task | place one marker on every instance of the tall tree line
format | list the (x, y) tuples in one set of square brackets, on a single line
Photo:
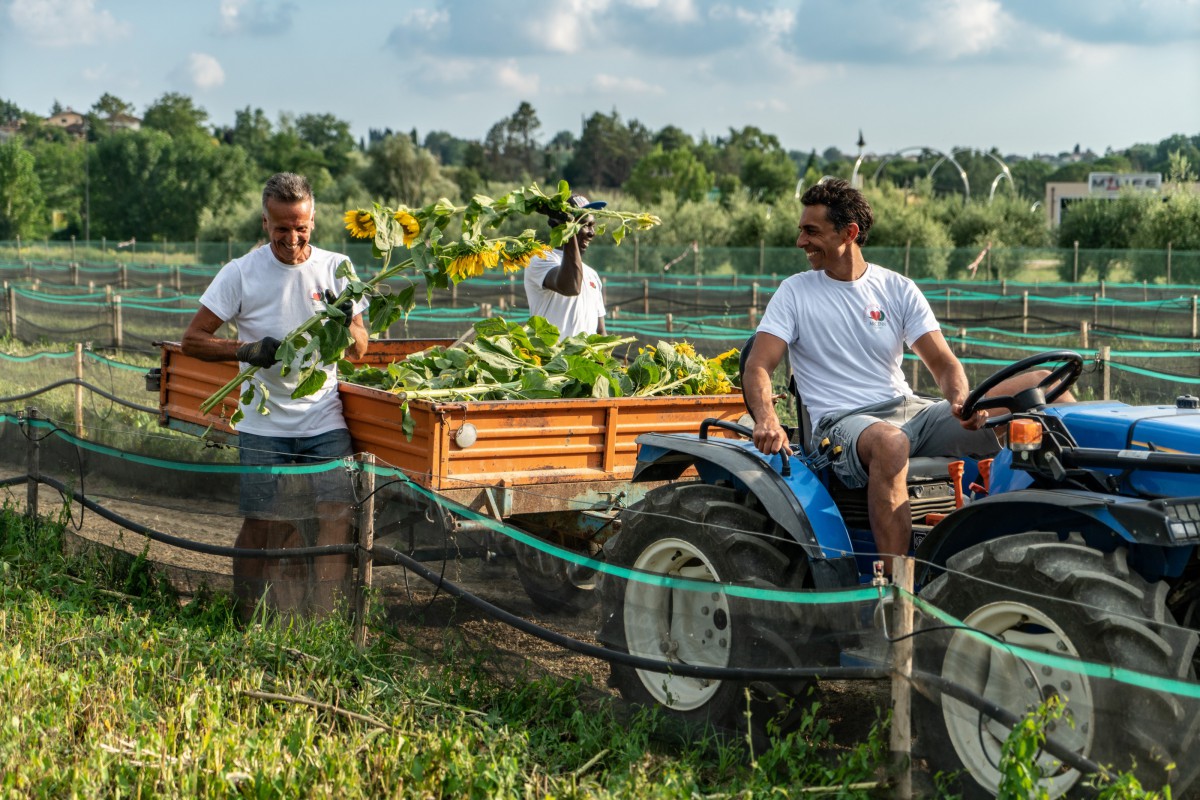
[(181, 177)]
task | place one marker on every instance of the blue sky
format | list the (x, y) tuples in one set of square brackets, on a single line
[(1022, 75)]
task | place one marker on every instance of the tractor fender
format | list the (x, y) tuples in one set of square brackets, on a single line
[(1106, 522), (799, 503)]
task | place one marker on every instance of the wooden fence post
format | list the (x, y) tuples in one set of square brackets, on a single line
[(645, 296), (902, 656), (366, 542), (177, 278), (116, 322), (33, 468), (123, 273), (11, 292), (962, 340), (670, 323), (79, 389), (1083, 334), (1025, 311), (1105, 372)]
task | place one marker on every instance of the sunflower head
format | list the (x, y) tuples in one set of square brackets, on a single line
[(409, 224), (360, 223)]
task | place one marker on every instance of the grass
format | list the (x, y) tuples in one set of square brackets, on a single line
[(112, 688)]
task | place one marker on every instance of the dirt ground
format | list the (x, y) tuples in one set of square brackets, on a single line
[(433, 622)]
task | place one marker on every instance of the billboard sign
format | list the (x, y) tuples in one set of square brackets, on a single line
[(1110, 184)]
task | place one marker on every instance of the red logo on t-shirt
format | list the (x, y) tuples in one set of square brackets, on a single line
[(875, 315)]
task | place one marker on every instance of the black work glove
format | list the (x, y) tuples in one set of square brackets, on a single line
[(346, 307), (260, 353)]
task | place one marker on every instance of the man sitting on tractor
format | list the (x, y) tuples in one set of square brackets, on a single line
[(844, 325)]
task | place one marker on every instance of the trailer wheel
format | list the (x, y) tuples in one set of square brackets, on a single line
[(1041, 593), (547, 581), (702, 532)]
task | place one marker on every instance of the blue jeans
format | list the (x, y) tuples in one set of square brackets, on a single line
[(266, 495)]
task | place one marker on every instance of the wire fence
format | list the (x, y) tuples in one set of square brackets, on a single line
[(743, 618)]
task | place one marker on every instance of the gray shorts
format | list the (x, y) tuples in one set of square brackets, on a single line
[(930, 427)]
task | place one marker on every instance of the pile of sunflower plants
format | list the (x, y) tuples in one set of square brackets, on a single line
[(443, 244), (528, 360)]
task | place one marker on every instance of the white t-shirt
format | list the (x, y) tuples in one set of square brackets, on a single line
[(571, 315), (846, 338), (265, 297)]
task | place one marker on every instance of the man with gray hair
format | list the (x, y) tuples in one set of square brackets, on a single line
[(267, 293)]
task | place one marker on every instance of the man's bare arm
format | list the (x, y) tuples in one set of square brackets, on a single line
[(199, 340), (567, 277), (948, 373), (768, 351)]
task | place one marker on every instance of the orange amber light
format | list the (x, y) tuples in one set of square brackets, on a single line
[(1024, 434)]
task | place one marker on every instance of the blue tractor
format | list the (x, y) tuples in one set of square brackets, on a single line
[(1084, 545)]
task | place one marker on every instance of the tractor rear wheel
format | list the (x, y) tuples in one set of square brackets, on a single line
[(702, 532), (1064, 599)]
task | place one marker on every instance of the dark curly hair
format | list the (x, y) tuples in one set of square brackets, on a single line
[(843, 204)]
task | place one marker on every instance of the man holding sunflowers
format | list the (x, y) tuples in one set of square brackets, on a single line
[(563, 289), (267, 293)]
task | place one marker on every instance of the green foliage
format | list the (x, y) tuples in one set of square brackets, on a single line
[(400, 172), (902, 219), (175, 114), (20, 192), (677, 172), (1101, 224), (149, 184), (528, 361)]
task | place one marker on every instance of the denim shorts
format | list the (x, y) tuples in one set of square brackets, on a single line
[(930, 427), (268, 495)]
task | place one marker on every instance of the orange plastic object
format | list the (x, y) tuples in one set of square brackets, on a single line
[(933, 518), (985, 473), (1024, 434), (956, 470)]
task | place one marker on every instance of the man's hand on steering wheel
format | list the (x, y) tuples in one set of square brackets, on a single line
[(973, 422)]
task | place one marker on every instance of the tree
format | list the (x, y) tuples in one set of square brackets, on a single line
[(673, 138), (146, 183), (399, 172), (109, 106), (329, 136), (675, 171), (251, 131), (449, 149), (510, 148), (10, 113), (1029, 177), (607, 151), (177, 115), (21, 210)]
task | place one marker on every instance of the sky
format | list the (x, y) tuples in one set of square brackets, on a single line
[(1024, 76)]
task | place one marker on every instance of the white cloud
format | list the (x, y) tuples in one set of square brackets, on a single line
[(767, 105), (204, 71), (509, 77), (610, 83), (65, 23), (259, 17)]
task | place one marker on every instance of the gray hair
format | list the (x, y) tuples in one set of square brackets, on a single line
[(286, 187)]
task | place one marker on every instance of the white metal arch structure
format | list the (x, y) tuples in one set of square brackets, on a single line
[(1002, 174), (962, 173)]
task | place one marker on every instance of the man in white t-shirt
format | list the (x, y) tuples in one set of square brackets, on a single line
[(844, 325), (563, 289), (267, 293)]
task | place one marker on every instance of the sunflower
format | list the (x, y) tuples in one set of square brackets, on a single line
[(519, 259), (360, 223), (408, 223)]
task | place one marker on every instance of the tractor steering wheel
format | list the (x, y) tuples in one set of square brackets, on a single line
[(1048, 390)]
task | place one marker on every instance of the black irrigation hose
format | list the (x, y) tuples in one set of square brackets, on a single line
[(197, 547), (596, 651), (86, 385), (1007, 718)]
